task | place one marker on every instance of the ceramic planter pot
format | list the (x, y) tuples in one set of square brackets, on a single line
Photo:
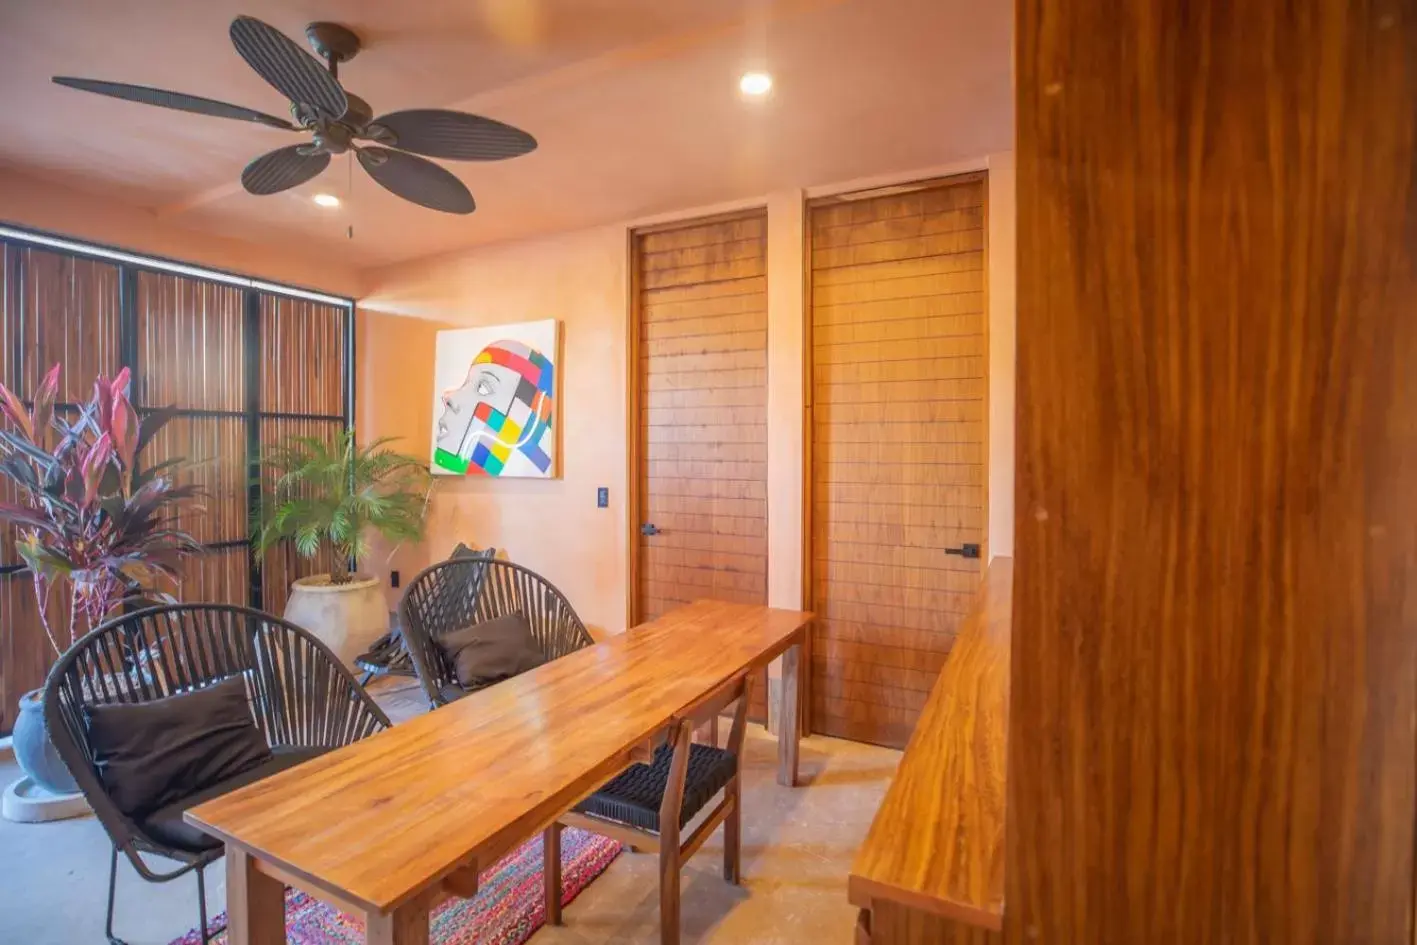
[(347, 618), (35, 752)]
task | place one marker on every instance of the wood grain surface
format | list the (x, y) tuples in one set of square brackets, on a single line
[(894, 924), (699, 407), (937, 843), (302, 354), (1215, 654), (702, 376), (378, 822), (257, 900), (190, 343), (897, 354)]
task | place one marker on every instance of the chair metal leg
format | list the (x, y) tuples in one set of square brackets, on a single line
[(202, 903), (112, 888), (365, 681)]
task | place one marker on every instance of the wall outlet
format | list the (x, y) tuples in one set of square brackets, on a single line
[(602, 498), (393, 579)]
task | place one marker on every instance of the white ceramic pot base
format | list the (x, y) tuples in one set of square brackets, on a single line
[(27, 803)]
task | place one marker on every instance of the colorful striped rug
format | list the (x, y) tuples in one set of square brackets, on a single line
[(507, 909)]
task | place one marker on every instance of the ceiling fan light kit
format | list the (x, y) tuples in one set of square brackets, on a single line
[(393, 149)]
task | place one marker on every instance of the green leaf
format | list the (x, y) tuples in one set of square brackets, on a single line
[(151, 423)]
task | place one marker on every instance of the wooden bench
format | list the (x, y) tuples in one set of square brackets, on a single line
[(932, 867)]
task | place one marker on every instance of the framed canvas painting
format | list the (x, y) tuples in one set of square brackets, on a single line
[(494, 408)]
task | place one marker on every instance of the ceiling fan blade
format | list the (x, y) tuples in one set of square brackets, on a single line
[(282, 169), (295, 73), (417, 180), (439, 133), (178, 100)]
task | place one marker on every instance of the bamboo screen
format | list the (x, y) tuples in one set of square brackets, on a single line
[(245, 368)]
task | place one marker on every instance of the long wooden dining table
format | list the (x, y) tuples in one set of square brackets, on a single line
[(388, 827)]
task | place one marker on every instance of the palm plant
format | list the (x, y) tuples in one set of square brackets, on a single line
[(89, 516), (332, 495)]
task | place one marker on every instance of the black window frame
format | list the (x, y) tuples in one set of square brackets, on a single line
[(129, 264)]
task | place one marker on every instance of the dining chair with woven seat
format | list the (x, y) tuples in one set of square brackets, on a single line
[(648, 806), (161, 662)]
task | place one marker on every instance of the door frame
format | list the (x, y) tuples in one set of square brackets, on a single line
[(635, 498)]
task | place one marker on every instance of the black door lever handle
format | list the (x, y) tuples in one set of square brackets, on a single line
[(964, 551)]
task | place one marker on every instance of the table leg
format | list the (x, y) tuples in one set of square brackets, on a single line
[(789, 728), (804, 683), (255, 902), (551, 872), (406, 925)]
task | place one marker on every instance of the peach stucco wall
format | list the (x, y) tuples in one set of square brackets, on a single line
[(552, 526), (581, 278), (1003, 378), (390, 353)]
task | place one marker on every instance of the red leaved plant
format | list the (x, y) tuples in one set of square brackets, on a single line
[(88, 515)]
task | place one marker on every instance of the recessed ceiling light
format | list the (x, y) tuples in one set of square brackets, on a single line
[(326, 200), (755, 83)]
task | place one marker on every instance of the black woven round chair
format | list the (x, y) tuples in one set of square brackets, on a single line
[(455, 594), (303, 700), (388, 656)]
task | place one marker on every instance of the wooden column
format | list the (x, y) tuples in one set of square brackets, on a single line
[(1215, 632)]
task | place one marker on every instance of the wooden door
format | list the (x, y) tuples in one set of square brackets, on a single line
[(701, 308), (898, 447), (1215, 598)]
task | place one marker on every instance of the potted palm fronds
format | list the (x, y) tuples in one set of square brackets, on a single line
[(328, 498), (90, 524)]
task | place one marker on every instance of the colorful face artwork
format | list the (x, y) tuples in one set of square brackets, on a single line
[(498, 420)]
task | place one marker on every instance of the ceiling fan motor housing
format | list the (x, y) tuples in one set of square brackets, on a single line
[(332, 42)]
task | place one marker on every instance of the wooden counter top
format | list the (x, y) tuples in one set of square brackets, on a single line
[(937, 843)]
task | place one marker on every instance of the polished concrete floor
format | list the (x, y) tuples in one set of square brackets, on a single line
[(797, 849)]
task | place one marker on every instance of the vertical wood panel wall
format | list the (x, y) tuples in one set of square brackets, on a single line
[(897, 453), (193, 344), (1215, 645), (38, 285)]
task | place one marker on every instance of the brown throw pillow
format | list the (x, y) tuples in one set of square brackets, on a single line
[(153, 753), (492, 651)]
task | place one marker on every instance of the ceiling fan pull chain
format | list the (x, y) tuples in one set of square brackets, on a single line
[(349, 190)]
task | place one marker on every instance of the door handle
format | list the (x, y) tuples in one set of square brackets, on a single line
[(964, 551), (649, 528)]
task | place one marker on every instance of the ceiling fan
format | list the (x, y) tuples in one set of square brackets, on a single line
[(339, 121)]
